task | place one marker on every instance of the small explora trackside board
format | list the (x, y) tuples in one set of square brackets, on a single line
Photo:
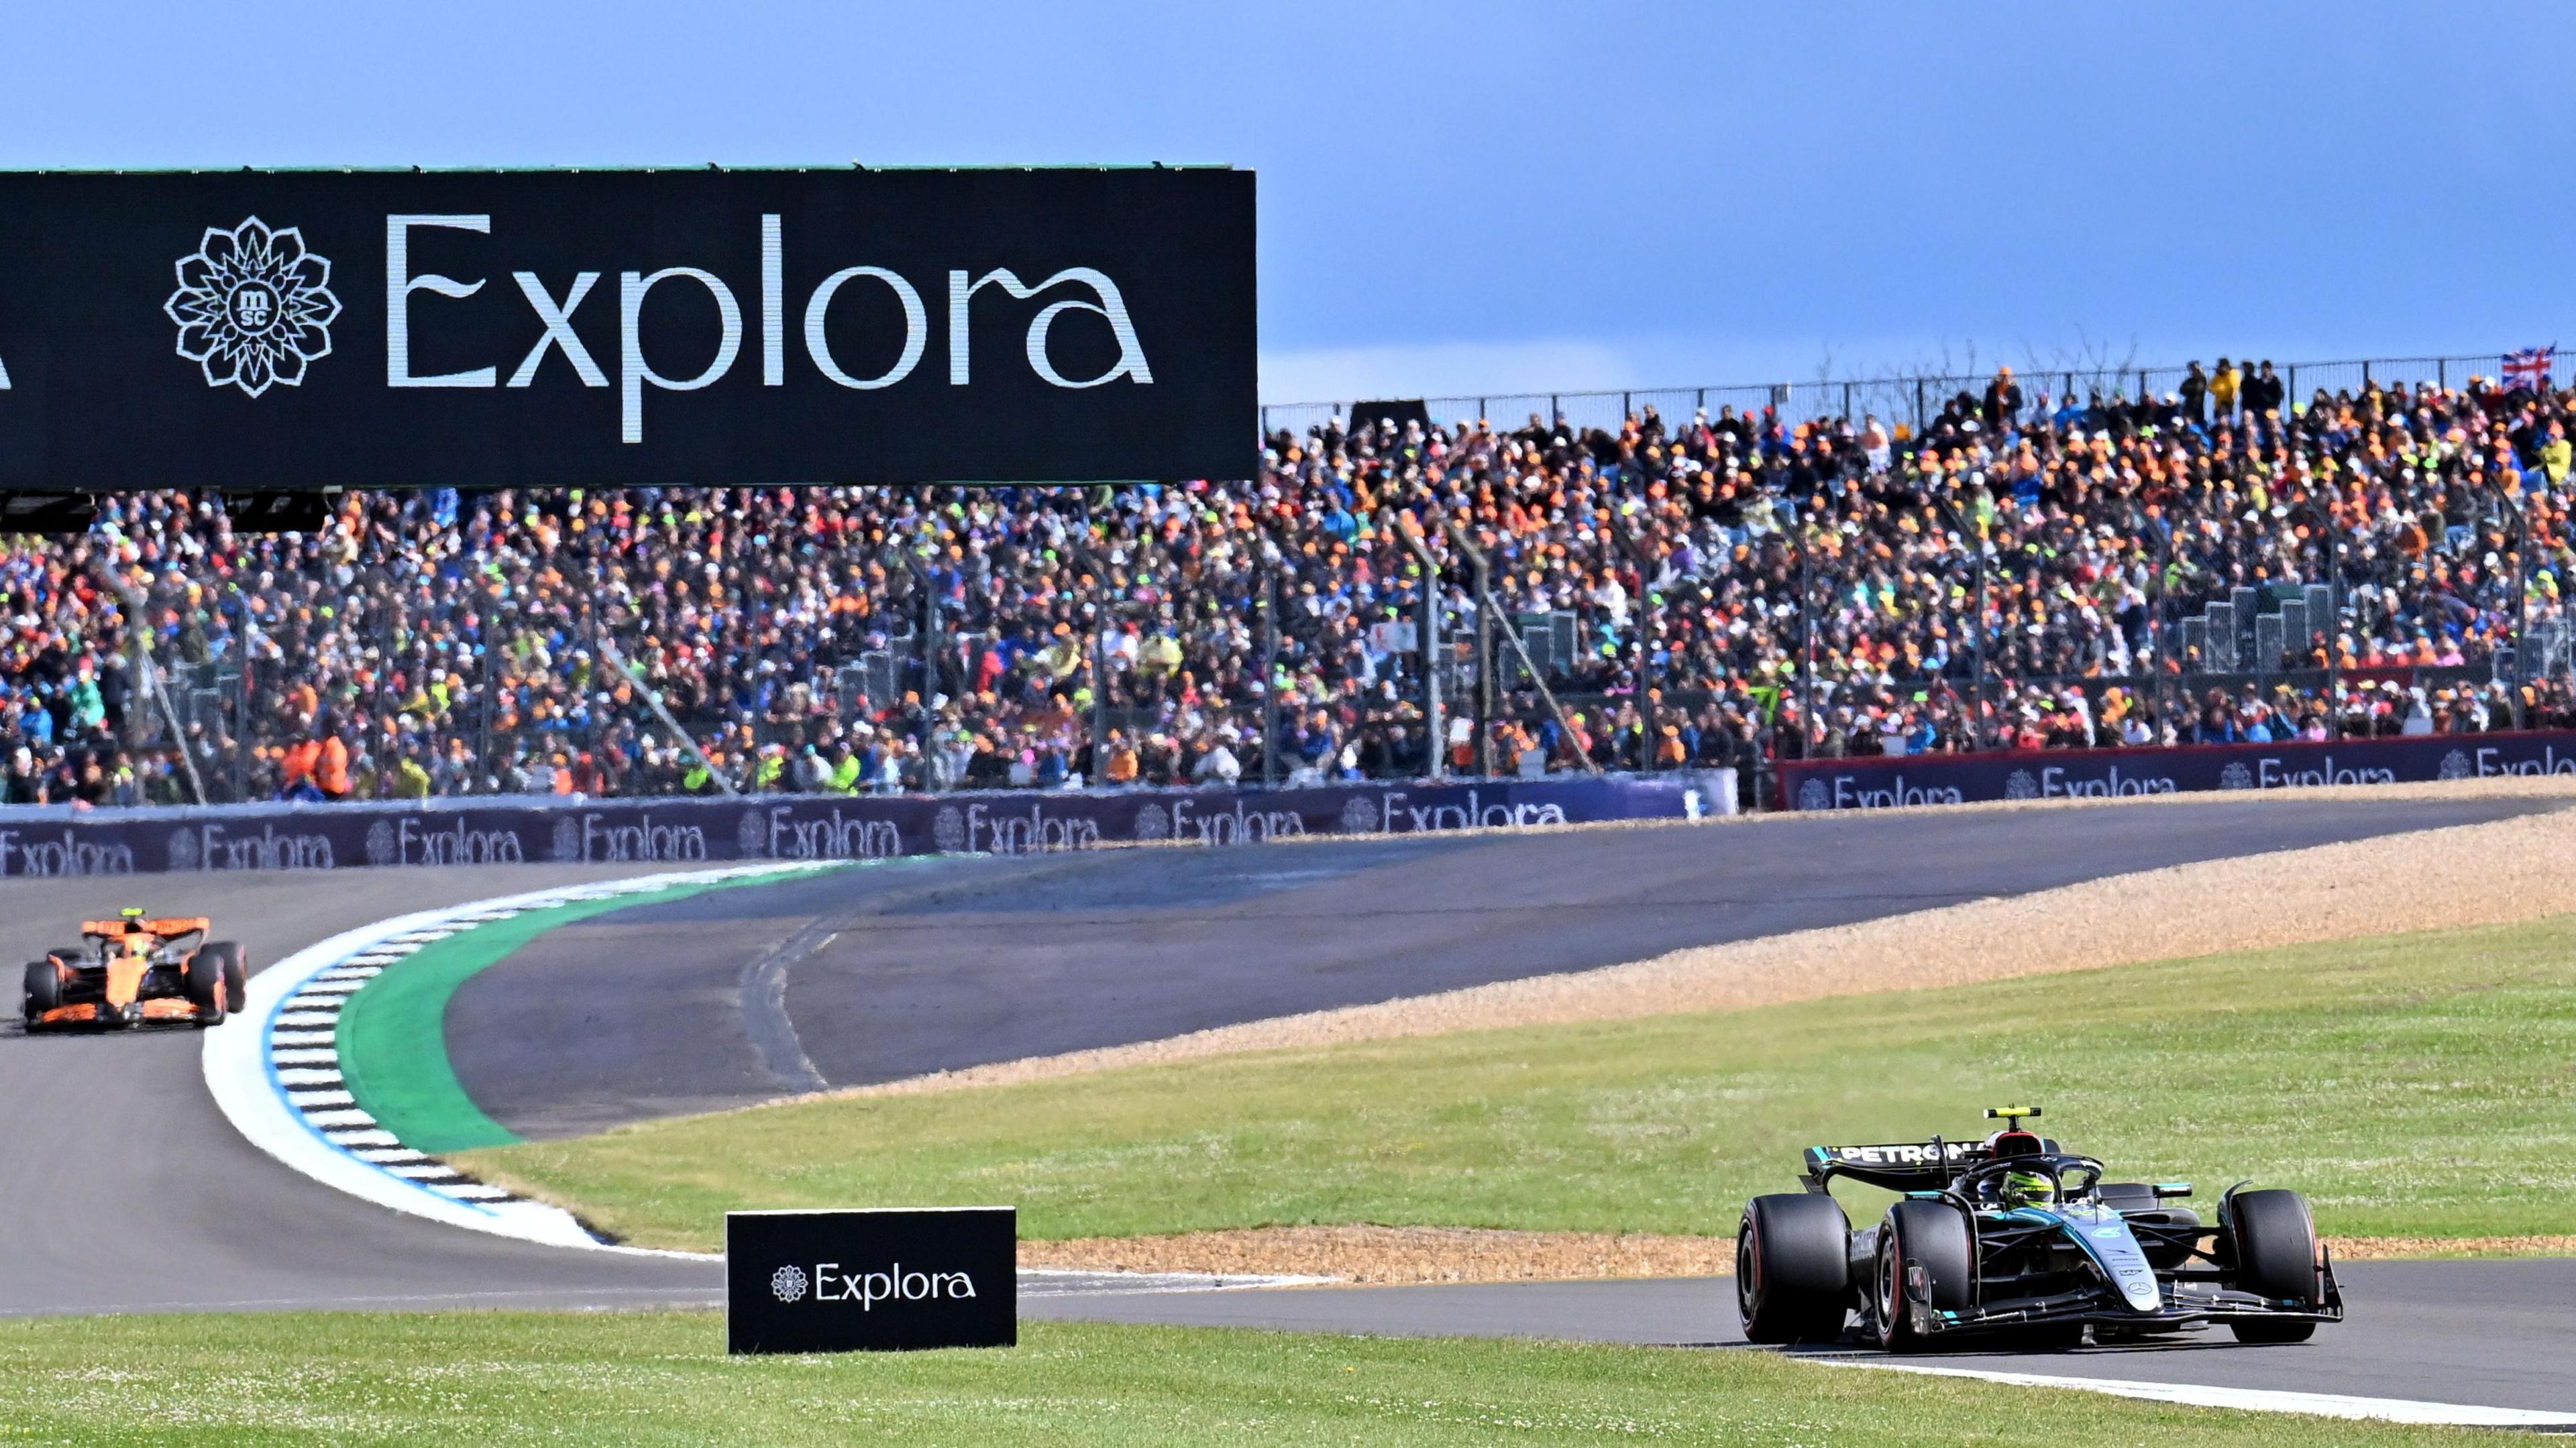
[(854, 1281)]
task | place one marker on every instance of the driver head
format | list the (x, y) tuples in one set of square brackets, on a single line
[(2030, 1188)]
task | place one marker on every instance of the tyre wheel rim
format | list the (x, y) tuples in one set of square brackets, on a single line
[(1888, 1305), (1748, 1273)]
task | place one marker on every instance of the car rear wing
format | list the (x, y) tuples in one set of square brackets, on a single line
[(160, 929), (1899, 1166)]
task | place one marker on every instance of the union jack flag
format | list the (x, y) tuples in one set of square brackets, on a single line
[(2529, 367)]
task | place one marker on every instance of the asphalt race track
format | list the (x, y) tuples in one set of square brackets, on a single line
[(2493, 1334), (742, 995), (123, 1189)]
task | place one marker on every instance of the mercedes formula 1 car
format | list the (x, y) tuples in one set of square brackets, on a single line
[(2015, 1237), (131, 971)]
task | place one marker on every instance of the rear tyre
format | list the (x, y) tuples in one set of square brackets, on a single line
[(44, 988), (1792, 1272), (1936, 1235), (205, 986), (236, 972), (2276, 1257)]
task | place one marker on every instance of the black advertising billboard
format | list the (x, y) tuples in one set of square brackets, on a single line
[(859, 1281), (302, 329)]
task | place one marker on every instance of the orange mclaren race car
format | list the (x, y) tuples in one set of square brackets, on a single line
[(132, 971)]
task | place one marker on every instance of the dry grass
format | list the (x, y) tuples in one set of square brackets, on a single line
[(1395, 1254)]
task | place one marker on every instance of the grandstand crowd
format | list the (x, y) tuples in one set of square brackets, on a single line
[(431, 643)]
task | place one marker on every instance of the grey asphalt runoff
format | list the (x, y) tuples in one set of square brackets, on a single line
[(2498, 1334), (865, 975)]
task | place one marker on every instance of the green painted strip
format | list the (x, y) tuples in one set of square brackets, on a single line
[(393, 1034)]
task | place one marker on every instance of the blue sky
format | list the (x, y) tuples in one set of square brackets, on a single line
[(1505, 195)]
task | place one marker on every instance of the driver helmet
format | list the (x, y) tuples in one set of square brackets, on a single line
[(2029, 1188)]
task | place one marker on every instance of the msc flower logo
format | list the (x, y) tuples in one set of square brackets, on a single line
[(787, 1284), (253, 307), (1153, 822)]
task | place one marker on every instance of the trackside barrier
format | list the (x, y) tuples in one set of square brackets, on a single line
[(1882, 783), (514, 830)]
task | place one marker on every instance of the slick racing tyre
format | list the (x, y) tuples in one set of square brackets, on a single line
[(206, 986), (2276, 1257), (228, 954), (1792, 1274), (44, 988), (1936, 1235)]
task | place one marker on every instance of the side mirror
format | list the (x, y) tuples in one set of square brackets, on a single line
[(2165, 1191)]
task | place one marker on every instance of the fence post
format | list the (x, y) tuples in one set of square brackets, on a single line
[(1270, 674), (1627, 408), (2142, 384), (2442, 373), (2365, 372), (1265, 424), (1702, 403), (2293, 385), (1847, 402), (1918, 407), (1554, 412), (1483, 413)]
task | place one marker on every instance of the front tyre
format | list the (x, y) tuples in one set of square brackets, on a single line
[(1934, 1234), (44, 989), (2276, 1258), (1792, 1271)]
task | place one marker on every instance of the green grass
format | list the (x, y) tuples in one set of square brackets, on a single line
[(2412, 1085), (643, 1380)]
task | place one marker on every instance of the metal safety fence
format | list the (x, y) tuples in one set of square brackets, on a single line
[(1911, 400)]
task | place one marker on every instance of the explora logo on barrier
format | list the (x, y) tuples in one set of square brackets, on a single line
[(68, 856), (829, 1284), (981, 830), (1393, 813), (2272, 773), (215, 847), (2491, 760), (1234, 825), (406, 841), (1847, 792), (588, 839), (1067, 290), (779, 835), (2059, 783)]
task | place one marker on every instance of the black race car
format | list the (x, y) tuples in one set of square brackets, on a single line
[(2014, 1236)]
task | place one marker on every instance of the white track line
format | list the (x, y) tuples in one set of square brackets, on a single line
[(262, 1068), (2259, 1400)]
